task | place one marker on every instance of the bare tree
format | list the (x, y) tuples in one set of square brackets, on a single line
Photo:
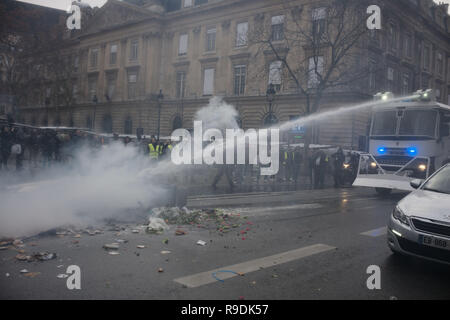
[(318, 49)]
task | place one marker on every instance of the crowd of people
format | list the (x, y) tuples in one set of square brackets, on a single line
[(40, 148)]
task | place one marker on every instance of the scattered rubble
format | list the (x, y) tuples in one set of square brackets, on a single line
[(156, 225), (45, 256), (201, 243), (111, 246)]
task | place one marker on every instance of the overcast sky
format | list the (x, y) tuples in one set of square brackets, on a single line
[(64, 4)]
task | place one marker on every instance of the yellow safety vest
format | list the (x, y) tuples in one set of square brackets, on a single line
[(154, 153)]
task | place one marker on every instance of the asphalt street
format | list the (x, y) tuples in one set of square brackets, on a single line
[(307, 245)]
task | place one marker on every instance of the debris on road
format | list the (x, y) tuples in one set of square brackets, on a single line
[(140, 246), (62, 276), (24, 271), (113, 253), (7, 274), (179, 232), (156, 225), (135, 231), (24, 257), (166, 241), (165, 252), (44, 256), (201, 243), (160, 270), (32, 274), (111, 246)]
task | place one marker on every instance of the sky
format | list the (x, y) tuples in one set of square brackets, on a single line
[(64, 4)]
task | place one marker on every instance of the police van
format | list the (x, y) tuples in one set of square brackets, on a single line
[(409, 139)]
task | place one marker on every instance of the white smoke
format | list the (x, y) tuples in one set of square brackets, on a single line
[(96, 185), (218, 115)]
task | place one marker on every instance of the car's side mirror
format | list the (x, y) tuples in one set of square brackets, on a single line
[(416, 183)]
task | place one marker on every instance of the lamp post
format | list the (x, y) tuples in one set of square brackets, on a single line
[(270, 95), (95, 101), (160, 98)]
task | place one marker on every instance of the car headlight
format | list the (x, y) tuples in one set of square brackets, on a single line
[(400, 216)]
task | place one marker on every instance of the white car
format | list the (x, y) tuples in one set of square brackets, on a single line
[(420, 223)]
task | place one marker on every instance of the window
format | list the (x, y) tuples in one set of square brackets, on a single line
[(405, 84), (239, 80), (210, 39), (390, 79), (94, 58), (92, 86), (392, 37), (277, 28), (177, 123), (128, 126), (408, 46), (76, 63), (372, 76), (132, 84), (181, 83), (208, 82), (75, 91), (426, 57), (107, 123), (134, 47), (182, 46), (88, 122), (241, 34), (113, 54), (318, 21), (275, 74), (110, 85), (187, 3), (439, 63), (315, 70)]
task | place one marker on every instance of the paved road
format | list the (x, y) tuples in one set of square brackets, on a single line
[(316, 245)]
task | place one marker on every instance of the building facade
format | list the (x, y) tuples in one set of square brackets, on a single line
[(191, 50)]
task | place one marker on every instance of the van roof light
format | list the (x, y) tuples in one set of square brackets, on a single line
[(425, 95)]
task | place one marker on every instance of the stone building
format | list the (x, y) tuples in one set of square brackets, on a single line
[(127, 51)]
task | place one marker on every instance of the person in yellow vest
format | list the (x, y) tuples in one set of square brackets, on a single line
[(166, 149), (154, 149)]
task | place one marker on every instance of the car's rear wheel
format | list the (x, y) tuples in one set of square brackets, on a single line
[(384, 192)]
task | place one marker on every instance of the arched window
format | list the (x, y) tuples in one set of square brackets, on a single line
[(107, 124), (88, 122), (270, 119), (57, 122), (128, 126), (177, 123)]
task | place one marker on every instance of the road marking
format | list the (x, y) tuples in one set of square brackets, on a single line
[(200, 279), (375, 232)]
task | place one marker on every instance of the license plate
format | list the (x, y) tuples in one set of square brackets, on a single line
[(434, 242)]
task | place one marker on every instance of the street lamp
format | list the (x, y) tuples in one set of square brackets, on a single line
[(95, 101), (160, 98), (270, 95)]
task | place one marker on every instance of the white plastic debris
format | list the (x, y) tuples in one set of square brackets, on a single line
[(62, 276), (140, 246), (24, 271), (113, 253), (165, 252), (201, 243), (156, 225), (7, 274), (111, 246)]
